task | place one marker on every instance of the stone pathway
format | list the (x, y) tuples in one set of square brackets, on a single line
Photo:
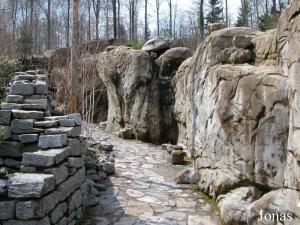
[(142, 192)]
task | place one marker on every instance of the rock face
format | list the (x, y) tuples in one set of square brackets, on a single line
[(132, 91), (167, 65), (236, 105)]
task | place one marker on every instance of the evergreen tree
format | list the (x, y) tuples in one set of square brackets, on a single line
[(243, 18), (215, 14)]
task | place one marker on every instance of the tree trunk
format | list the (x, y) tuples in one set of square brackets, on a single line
[(74, 70), (157, 16), (146, 21), (119, 22), (114, 5), (68, 25), (201, 20), (89, 20), (49, 25), (227, 19), (170, 21)]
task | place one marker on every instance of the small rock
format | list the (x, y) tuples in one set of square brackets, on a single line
[(177, 157), (186, 176), (109, 168)]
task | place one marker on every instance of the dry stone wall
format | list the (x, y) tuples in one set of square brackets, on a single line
[(45, 157)]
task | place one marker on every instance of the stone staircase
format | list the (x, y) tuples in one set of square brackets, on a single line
[(44, 154)]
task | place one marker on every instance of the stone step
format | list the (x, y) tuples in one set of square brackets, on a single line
[(75, 116), (14, 98), (22, 88), (22, 114), (69, 131), (30, 185), (46, 124), (46, 158), (52, 141)]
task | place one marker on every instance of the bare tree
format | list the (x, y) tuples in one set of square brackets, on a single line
[(114, 6), (146, 33), (68, 23), (74, 64), (96, 8), (157, 5), (170, 18)]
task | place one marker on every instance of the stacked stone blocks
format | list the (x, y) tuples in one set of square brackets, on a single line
[(46, 154)]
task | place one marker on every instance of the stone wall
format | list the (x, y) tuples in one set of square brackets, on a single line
[(44, 156)]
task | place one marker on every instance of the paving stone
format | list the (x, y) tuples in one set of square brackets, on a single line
[(45, 158), (5, 132), (28, 138), (10, 106), (30, 185), (14, 98), (22, 88), (5, 116), (52, 141), (69, 131), (44, 221), (61, 173), (75, 162), (46, 124), (22, 114), (22, 126), (7, 211), (10, 148)]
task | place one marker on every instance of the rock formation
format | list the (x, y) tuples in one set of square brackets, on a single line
[(239, 115)]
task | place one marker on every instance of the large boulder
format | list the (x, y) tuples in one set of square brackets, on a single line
[(157, 45), (132, 91)]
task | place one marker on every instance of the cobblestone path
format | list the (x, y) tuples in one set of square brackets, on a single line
[(142, 192)]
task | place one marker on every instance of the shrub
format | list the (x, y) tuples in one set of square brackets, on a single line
[(7, 67)]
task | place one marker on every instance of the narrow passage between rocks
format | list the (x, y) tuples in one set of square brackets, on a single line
[(143, 190)]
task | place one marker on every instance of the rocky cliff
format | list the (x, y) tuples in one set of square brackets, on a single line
[(236, 105)]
